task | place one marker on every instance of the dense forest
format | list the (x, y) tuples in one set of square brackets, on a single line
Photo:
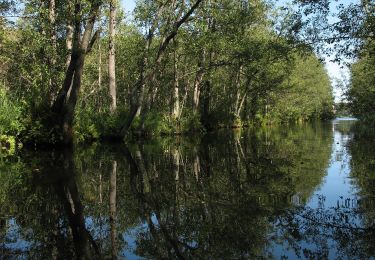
[(84, 70)]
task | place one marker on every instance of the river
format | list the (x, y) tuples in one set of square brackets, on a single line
[(304, 191)]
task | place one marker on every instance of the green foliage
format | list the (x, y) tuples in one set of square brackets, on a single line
[(305, 95), (85, 127), (236, 62), (10, 115), (362, 88), (342, 109), (40, 126), (8, 145), (190, 122), (155, 124), (91, 125)]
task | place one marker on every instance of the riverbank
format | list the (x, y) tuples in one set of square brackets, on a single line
[(158, 127)]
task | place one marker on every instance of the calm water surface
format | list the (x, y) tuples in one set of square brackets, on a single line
[(283, 192)]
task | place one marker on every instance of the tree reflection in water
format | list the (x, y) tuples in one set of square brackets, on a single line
[(228, 195), (46, 207)]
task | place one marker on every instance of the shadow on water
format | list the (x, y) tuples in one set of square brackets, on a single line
[(301, 191)]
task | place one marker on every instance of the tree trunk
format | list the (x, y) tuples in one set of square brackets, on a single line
[(151, 74), (58, 105), (175, 91), (198, 82), (100, 67), (64, 105), (196, 164), (136, 107), (112, 208), (176, 100), (69, 36), (71, 104), (85, 245), (111, 55), (241, 105), (69, 42), (205, 108), (53, 55), (53, 37), (237, 86)]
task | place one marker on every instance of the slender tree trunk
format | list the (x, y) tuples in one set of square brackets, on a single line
[(53, 37), (111, 55), (69, 34), (100, 67), (53, 55), (253, 109), (69, 42), (72, 44), (112, 208), (241, 105), (136, 107), (196, 164), (198, 82), (176, 100), (183, 102), (237, 89), (246, 109), (176, 166), (100, 188), (176, 89), (205, 109)]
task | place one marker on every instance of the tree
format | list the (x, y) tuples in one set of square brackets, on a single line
[(361, 93), (64, 105), (305, 94), (147, 74), (111, 54)]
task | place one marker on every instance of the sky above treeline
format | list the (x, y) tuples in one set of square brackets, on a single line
[(128, 5), (335, 71)]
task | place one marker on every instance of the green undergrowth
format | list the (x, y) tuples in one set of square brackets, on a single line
[(8, 145), (90, 126), (10, 115)]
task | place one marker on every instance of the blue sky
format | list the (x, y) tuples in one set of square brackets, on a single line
[(128, 5)]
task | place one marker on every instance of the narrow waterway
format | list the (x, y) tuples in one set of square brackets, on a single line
[(303, 191)]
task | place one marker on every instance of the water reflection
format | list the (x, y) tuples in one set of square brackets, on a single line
[(303, 191)]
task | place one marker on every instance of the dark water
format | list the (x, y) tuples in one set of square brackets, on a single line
[(304, 191)]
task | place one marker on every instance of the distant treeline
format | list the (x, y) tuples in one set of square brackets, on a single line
[(342, 109)]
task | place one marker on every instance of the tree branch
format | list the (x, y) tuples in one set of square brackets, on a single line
[(93, 40), (164, 44)]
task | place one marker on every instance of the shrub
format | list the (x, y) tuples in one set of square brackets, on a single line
[(10, 114), (191, 123)]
